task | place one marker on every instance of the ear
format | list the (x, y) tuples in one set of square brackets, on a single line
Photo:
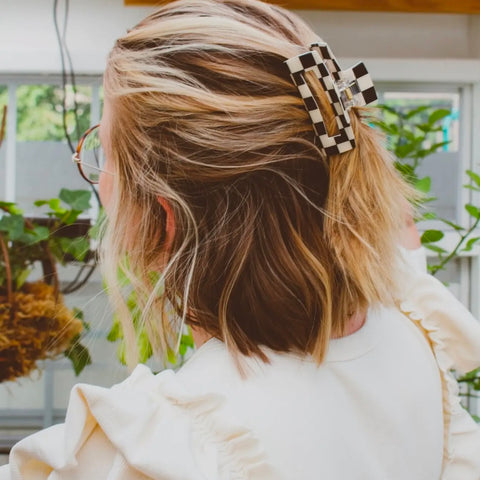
[(170, 221)]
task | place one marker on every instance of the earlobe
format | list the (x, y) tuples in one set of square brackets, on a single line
[(170, 221)]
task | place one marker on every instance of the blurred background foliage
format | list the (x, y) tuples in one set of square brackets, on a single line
[(40, 111)]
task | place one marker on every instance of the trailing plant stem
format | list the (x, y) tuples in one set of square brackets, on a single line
[(454, 252)]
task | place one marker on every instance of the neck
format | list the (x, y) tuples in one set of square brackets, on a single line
[(200, 336), (354, 323)]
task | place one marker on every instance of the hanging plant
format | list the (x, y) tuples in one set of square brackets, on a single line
[(35, 324)]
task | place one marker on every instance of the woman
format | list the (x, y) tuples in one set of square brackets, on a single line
[(321, 353)]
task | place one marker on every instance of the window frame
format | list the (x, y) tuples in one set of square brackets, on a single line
[(463, 75)]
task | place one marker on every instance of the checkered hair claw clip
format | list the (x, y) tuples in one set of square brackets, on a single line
[(344, 88)]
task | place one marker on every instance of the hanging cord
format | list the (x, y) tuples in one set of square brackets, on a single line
[(65, 57), (65, 54), (71, 71), (62, 48)]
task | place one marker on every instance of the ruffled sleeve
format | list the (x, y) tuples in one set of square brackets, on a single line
[(453, 330), (147, 427), (454, 336)]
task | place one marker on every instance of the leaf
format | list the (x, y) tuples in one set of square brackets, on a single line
[(429, 216), (76, 199), (77, 313), (78, 355), (171, 357), (473, 211), (389, 128), (188, 340), (387, 108), (437, 115), (469, 376), (470, 244), (182, 350), (11, 208), (402, 151), (456, 227), (472, 187), (54, 204), (431, 236), (434, 148), (473, 176), (13, 225), (406, 170), (424, 184), (38, 234), (77, 247), (408, 135), (416, 111), (121, 353), (22, 278), (115, 332), (435, 248), (68, 216), (144, 347)]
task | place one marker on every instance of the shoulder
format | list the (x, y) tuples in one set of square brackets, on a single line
[(150, 422), (454, 332)]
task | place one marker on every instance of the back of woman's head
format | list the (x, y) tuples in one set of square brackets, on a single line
[(273, 243)]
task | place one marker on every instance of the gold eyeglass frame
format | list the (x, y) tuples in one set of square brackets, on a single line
[(76, 157)]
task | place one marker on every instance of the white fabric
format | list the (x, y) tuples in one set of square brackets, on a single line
[(416, 259), (380, 407)]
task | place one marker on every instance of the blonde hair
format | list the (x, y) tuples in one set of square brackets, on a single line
[(274, 244)]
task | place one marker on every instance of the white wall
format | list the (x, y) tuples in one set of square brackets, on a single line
[(393, 35), (28, 44), (27, 35)]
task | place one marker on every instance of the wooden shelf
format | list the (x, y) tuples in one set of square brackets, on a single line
[(426, 6)]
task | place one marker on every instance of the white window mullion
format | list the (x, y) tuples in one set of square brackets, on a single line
[(475, 198), (11, 144), (466, 154)]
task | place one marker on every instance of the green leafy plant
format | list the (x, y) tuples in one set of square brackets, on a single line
[(410, 137), (143, 342), (27, 236), (39, 113), (46, 240), (77, 353)]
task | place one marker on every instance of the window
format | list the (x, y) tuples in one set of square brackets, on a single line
[(35, 164), (446, 168)]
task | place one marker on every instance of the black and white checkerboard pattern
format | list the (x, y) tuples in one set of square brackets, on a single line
[(331, 62), (335, 83)]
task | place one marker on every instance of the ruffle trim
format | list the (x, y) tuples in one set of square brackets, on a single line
[(239, 451), (159, 430), (453, 333)]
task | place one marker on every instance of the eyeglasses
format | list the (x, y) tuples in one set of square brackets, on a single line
[(89, 156)]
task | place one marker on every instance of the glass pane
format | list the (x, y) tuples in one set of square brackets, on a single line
[(450, 127), (105, 369), (24, 393), (443, 165), (40, 112), (43, 156)]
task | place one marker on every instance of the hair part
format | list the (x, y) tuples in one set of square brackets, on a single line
[(275, 245)]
